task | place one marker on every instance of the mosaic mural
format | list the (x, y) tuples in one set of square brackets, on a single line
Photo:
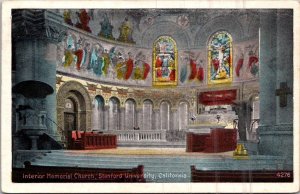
[(81, 57), (192, 67), (111, 50)]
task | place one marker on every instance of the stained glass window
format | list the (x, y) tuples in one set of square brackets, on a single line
[(220, 58), (164, 62)]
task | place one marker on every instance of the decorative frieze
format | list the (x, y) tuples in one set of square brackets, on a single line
[(91, 87), (106, 89)]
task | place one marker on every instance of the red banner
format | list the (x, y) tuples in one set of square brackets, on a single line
[(217, 97)]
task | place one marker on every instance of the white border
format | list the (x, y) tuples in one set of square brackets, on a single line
[(6, 156)]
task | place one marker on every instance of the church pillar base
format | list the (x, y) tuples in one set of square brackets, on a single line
[(276, 140)]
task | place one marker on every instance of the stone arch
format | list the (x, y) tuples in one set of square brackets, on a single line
[(253, 95), (115, 97), (234, 28), (165, 100), (148, 99), (131, 98), (79, 94), (151, 34), (183, 100)]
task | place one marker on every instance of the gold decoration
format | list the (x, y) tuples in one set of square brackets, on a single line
[(92, 87), (122, 91), (106, 89), (240, 152)]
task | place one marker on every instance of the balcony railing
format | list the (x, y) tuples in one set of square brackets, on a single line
[(140, 136)]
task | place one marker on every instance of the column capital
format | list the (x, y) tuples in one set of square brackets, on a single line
[(156, 110), (38, 24), (139, 109), (173, 110)]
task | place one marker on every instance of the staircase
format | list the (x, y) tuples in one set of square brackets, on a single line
[(162, 169)]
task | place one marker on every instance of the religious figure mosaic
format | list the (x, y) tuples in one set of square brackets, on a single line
[(164, 62), (220, 58)]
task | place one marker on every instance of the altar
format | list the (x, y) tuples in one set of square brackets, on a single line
[(211, 137), (203, 128), (211, 140)]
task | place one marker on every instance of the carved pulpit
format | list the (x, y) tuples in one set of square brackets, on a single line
[(32, 114)]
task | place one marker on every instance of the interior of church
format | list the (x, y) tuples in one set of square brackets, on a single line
[(175, 91)]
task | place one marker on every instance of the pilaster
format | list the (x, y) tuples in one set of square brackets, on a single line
[(276, 59)]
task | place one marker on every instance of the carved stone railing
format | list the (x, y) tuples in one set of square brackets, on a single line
[(140, 136)]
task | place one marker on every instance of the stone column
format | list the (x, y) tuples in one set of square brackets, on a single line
[(276, 66), (35, 56), (106, 117), (284, 64), (122, 118), (34, 142), (267, 71), (173, 119), (156, 118), (139, 118)]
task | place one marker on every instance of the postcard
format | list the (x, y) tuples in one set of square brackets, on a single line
[(150, 96)]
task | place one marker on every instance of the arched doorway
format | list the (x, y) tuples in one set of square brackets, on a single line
[(70, 115), (73, 110)]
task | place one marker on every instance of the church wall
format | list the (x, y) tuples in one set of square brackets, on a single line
[(114, 54)]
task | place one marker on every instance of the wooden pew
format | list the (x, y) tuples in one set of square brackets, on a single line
[(240, 176), (54, 174)]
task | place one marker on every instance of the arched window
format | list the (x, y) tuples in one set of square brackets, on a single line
[(220, 65), (164, 62), (130, 114), (183, 115), (114, 115), (98, 113), (147, 114), (165, 115)]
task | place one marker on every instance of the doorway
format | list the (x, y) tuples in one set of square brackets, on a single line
[(70, 119)]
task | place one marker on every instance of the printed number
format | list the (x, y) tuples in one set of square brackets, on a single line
[(283, 174)]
